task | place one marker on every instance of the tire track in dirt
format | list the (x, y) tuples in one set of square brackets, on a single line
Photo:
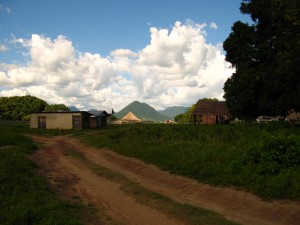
[(75, 178), (235, 205)]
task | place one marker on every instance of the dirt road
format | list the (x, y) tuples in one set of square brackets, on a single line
[(72, 177)]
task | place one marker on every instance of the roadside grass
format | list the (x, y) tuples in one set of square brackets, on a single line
[(261, 158), (25, 198), (186, 213)]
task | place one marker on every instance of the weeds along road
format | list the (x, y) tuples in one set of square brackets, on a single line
[(132, 192)]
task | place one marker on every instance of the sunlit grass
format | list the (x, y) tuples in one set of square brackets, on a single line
[(214, 154)]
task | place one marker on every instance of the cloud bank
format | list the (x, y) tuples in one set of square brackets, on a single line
[(177, 67)]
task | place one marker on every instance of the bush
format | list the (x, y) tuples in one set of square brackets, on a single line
[(273, 164), (271, 154)]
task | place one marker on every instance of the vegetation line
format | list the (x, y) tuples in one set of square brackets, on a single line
[(266, 156)]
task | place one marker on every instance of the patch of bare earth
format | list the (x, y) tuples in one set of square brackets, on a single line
[(71, 177)]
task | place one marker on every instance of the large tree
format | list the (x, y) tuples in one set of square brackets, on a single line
[(56, 107), (266, 56), (20, 107)]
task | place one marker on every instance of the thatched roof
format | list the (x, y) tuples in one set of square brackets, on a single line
[(294, 116), (211, 108), (130, 117)]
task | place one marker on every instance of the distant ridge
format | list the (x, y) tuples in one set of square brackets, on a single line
[(73, 109), (173, 111), (142, 111)]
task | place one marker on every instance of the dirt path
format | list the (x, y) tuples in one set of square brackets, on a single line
[(77, 179)]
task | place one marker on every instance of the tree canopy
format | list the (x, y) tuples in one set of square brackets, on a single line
[(186, 117), (56, 107), (20, 107), (266, 59)]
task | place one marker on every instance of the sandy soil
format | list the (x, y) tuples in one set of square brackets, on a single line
[(71, 177)]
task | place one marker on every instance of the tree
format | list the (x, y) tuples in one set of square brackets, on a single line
[(20, 107), (186, 117), (265, 55), (56, 107)]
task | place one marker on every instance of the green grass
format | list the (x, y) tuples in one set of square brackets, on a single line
[(261, 158), (25, 198)]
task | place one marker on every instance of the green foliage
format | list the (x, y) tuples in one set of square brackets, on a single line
[(265, 55), (274, 153), (186, 117), (261, 158), (25, 198), (20, 107), (56, 107), (275, 162)]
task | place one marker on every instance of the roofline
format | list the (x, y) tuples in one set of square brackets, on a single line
[(66, 112), (63, 112)]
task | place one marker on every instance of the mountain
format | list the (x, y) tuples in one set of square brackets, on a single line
[(73, 108), (173, 111), (142, 111)]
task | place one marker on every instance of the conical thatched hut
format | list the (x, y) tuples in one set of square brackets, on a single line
[(130, 118)]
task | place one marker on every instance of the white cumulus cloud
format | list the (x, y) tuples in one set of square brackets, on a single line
[(213, 25), (177, 67), (3, 48)]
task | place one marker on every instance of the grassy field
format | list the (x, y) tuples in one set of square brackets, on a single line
[(261, 158), (24, 196)]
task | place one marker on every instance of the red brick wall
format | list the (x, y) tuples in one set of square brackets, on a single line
[(211, 119)]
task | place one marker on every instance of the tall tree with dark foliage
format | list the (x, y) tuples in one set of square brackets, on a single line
[(266, 56)]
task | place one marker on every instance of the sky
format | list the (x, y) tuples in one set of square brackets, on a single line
[(104, 54)]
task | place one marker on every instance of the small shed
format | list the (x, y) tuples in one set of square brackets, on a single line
[(98, 118), (211, 112), (68, 119), (60, 120)]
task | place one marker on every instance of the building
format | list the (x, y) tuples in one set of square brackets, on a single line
[(130, 118), (68, 120), (98, 119), (210, 112)]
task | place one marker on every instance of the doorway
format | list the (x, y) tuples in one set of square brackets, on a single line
[(77, 122)]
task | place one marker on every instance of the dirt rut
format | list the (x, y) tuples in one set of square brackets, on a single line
[(237, 206)]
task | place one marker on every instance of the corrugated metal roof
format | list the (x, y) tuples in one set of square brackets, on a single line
[(99, 113)]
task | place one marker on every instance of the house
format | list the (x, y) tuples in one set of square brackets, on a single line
[(211, 112), (169, 122), (68, 120), (130, 118)]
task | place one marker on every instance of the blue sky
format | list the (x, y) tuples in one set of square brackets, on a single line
[(102, 28)]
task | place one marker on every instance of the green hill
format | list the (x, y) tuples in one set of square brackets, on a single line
[(142, 111), (173, 111)]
